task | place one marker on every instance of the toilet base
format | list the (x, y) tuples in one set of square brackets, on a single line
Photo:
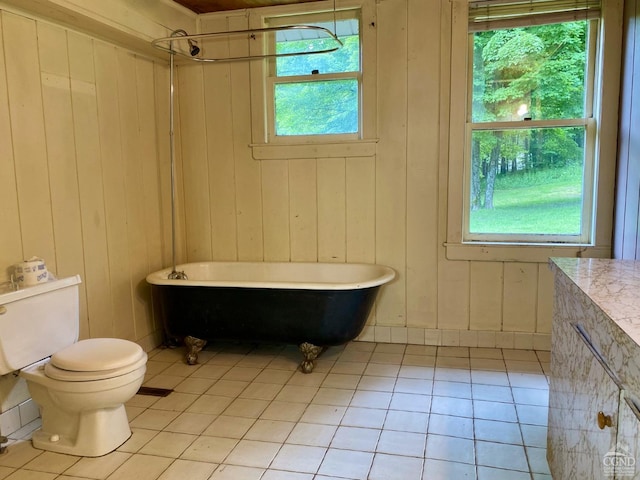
[(99, 432)]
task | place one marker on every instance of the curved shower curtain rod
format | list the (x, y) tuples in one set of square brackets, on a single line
[(166, 44), (182, 35)]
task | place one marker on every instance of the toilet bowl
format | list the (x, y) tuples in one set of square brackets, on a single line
[(80, 386), (81, 393)]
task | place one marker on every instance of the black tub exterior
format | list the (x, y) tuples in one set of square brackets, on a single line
[(296, 316)]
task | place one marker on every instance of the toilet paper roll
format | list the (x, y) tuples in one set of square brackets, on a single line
[(31, 272)]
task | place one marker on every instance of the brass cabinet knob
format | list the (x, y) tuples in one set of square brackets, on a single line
[(604, 420)]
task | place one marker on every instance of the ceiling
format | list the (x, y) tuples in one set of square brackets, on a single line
[(207, 6)]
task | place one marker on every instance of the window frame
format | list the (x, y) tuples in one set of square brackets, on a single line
[(587, 121), (272, 80), (265, 144), (604, 78)]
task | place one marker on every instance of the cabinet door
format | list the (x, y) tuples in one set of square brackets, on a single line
[(627, 450), (581, 386)]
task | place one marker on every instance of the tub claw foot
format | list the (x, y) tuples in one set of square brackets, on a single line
[(310, 353), (194, 345)]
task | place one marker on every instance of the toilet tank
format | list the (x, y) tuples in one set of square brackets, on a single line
[(37, 321)]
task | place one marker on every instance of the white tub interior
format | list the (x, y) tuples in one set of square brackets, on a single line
[(293, 275)]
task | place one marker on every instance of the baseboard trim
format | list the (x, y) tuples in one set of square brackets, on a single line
[(456, 338)]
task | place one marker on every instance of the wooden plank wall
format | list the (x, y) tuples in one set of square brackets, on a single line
[(389, 209), (84, 181), (84, 169), (627, 220)]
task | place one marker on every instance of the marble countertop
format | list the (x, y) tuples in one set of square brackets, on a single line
[(612, 285)]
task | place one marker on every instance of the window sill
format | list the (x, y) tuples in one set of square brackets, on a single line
[(360, 148), (526, 253)]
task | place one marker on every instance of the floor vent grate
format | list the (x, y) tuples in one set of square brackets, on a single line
[(155, 392)]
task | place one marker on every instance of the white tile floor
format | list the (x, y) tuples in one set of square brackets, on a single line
[(368, 411)]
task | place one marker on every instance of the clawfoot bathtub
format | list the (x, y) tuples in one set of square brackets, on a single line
[(313, 305)]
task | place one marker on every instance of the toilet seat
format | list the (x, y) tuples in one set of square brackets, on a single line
[(95, 359)]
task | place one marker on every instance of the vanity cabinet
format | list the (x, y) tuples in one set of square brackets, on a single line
[(627, 450), (594, 422), (586, 393)]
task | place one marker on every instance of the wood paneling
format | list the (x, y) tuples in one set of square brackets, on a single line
[(193, 137), (79, 170), (331, 210), (222, 188), (390, 208), (627, 221), (360, 220), (249, 211), (63, 171), (453, 295), (423, 132), (275, 201), (92, 195), (11, 237), (88, 122), (303, 209), (115, 188), (520, 297), (28, 137), (485, 295), (391, 160), (163, 174), (147, 190), (545, 299)]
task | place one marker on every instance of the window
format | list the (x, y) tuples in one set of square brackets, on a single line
[(316, 94), (532, 136), (319, 105), (531, 130)]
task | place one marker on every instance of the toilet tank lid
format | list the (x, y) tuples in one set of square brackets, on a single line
[(96, 354)]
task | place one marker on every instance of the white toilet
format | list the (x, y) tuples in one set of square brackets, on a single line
[(80, 387)]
